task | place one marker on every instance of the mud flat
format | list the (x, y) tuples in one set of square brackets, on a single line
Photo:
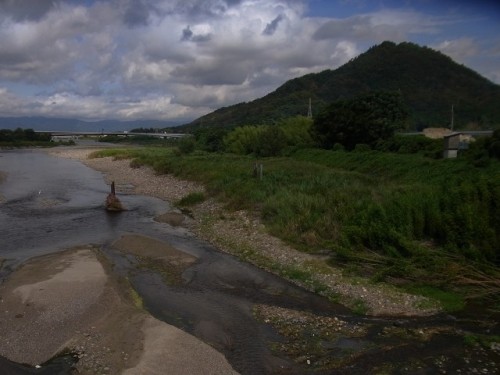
[(70, 302)]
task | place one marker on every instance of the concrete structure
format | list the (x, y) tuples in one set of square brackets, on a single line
[(451, 145)]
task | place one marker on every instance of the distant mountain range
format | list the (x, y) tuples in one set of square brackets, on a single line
[(430, 82), (65, 124)]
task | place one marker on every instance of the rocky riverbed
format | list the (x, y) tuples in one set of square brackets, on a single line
[(243, 235), (94, 303)]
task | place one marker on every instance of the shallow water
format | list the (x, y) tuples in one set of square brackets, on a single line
[(52, 204)]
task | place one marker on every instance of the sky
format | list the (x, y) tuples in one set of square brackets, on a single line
[(176, 60)]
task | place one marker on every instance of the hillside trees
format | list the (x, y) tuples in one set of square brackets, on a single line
[(365, 119)]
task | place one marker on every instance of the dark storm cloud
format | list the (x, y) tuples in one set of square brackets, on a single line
[(272, 26), (22, 10), (199, 9), (188, 35), (136, 14), (215, 73)]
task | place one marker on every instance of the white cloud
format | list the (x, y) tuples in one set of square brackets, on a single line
[(458, 49), (180, 59)]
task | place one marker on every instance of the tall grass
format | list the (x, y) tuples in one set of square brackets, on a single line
[(397, 213)]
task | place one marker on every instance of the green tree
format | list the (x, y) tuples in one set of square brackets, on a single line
[(297, 131), (365, 119), (270, 141), (242, 140), (211, 138), (30, 134)]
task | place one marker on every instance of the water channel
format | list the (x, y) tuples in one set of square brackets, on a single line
[(52, 204)]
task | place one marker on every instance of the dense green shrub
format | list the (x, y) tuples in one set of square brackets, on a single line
[(186, 145), (270, 140), (242, 140), (366, 119), (25, 138), (410, 144), (211, 138)]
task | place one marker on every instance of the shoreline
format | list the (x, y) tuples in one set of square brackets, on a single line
[(240, 234), (69, 303)]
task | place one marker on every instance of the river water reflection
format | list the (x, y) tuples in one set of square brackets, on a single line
[(51, 204)]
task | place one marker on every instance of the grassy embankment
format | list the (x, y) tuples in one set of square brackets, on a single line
[(429, 226)]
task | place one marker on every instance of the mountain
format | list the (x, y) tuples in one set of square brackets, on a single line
[(429, 81), (65, 124)]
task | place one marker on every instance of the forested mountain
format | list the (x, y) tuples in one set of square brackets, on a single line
[(429, 81)]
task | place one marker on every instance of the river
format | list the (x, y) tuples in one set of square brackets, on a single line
[(52, 204)]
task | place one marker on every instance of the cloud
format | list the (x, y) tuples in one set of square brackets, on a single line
[(22, 10), (458, 49), (170, 59), (273, 25), (189, 35), (136, 13), (395, 25)]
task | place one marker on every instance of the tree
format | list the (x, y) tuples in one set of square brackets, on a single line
[(297, 131), (211, 138), (365, 119), (270, 141), (242, 140)]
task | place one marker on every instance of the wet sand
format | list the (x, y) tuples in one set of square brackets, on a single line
[(70, 302)]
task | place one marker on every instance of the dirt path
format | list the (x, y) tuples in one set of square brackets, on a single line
[(245, 236)]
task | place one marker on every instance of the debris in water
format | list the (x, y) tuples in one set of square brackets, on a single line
[(112, 202)]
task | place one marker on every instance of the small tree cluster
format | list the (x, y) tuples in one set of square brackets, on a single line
[(485, 149), (366, 119), (7, 135), (270, 140)]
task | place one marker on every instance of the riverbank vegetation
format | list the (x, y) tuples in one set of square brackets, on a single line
[(26, 138), (347, 187), (425, 224)]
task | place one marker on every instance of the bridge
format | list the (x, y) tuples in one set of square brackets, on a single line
[(76, 134)]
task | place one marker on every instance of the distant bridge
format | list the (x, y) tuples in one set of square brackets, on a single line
[(75, 134)]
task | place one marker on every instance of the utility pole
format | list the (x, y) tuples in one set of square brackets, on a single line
[(452, 117), (309, 111)]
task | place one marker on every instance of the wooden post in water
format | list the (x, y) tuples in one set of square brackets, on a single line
[(112, 202)]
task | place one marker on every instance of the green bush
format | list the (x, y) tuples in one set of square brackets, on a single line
[(192, 199), (186, 145), (365, 119), (270, 140)]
